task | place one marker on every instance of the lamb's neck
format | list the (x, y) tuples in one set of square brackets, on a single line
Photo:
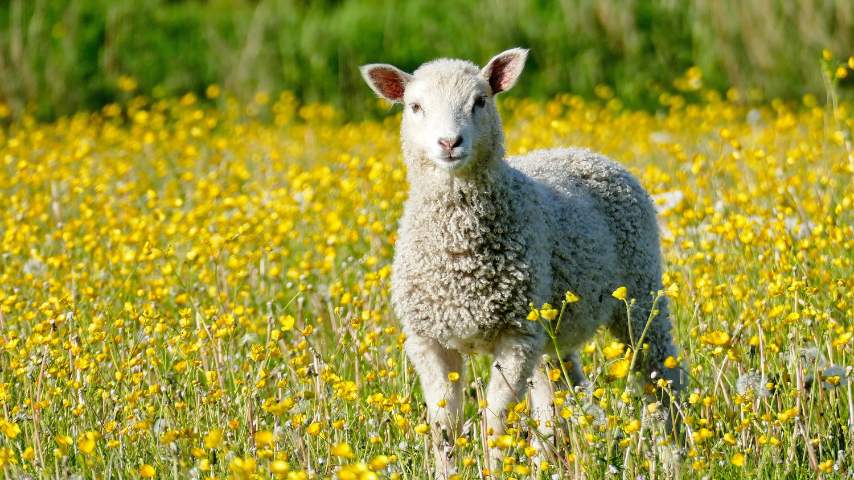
[(488, 187)]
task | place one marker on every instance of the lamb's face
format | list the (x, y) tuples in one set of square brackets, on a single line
[(449, 113)]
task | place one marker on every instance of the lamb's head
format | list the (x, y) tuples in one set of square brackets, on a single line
[(449, 118)]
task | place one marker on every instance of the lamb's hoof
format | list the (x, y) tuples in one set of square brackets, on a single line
[(445, 466), (496, 462)]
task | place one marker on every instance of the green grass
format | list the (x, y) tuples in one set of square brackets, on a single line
[(58, 56)]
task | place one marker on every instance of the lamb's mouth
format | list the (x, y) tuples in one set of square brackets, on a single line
[(453, 161)]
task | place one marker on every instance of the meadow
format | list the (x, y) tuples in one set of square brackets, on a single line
[(192, 292)]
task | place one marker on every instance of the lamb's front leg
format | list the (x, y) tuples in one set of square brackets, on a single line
[(543, 409), (515, 358), (433, 364)]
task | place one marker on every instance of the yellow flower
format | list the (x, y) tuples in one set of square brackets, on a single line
[(503, 442), (615, 349), (453, 377), (619, 368), (738, 459), (279, 467), (571, 297), (11, 429), (169, 436), (243, 469), (715, 338), (548, 312), (842, 339), (672, 290), (146, 471), (287, 322), (401, 421), (342, 450), (670, 362), (633, 427), (620, 293), (788, 414), (126, 83), (379, 462), (729, 439), (356, 471), (313, 429), (212, 91), (213, 439), (422, 428), (263, 438), (86, 442), (534, 315), (7, 456), (554, 374)]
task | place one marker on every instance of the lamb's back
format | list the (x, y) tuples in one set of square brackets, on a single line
[(618, 199), (575, 171)]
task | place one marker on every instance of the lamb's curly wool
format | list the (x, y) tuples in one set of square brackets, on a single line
[(609, 239), (482, 238)]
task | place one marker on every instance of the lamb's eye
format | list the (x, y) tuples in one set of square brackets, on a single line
[(479, 102), (415, 107)]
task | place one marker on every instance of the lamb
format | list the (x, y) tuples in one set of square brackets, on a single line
[(482, 238)]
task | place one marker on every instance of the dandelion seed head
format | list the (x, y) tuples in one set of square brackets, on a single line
[(808, 357), (752, 382)]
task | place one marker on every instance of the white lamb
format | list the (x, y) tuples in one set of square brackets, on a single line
[(483, 237)]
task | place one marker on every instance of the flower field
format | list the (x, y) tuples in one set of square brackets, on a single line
[(195, 292)]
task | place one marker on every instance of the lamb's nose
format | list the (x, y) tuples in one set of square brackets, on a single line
[(450, 143)]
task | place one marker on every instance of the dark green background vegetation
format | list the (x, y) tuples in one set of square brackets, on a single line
[(60, 56)]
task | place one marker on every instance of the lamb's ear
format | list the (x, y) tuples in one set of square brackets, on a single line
[(387, 80), (504, 69)]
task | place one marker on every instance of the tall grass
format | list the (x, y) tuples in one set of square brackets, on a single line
[(60, 56)]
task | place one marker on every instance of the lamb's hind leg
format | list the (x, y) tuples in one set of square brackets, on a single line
[(433, 364), (659, 346)]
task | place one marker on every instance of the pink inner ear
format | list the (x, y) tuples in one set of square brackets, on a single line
[(503, 73), (388, 83)]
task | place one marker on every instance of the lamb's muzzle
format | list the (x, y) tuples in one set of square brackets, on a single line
[(449, 144)]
